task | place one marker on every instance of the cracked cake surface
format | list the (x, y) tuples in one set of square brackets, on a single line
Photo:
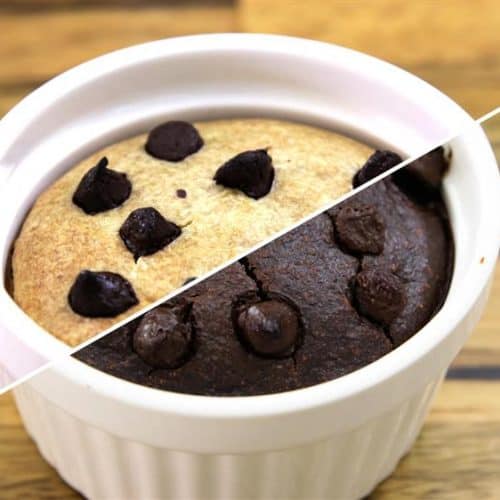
[(138, 219), (329, 297)]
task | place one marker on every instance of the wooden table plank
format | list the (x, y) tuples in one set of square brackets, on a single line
[(36, 46), (451, 43), (23, 472), (457, 456)]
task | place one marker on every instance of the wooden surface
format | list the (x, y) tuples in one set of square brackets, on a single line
[(451, 43)]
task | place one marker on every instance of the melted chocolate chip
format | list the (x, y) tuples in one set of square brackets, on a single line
[(421, 179), (379, 295), (192, 278), (164, 338), (173, 141), (271, 328), (377, 164), (101, 294), (181, 193), (101, 189), (359, 229), (146, 231), (251, 172)]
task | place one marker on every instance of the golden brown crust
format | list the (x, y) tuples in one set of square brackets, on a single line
[(58, 240)]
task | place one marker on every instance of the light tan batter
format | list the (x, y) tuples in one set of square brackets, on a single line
[(58, 240)]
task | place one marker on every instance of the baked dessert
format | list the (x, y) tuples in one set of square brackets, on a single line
[(136, 220), (329, 297)]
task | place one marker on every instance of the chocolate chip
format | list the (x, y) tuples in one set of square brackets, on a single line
[(359, 229), (181, 193), (164, 338), (173, 141), (422, 178), (192, 278), (146, 231), (271, 328), (377, 164), (101, 189), (379, 295), (251, 172), (101, 294)]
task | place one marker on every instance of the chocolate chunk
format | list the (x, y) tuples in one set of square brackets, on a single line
[(101, 189), (164, 337), (251, 172), (359, 229), (271, 328), (181, 193), (101, 294), (379, 295), (421, 179), (146, 231), (377, 164), (173, 141)]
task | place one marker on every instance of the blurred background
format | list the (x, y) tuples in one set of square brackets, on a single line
[(453, 44)]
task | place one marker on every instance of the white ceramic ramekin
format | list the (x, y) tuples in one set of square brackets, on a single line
[(112, 439)]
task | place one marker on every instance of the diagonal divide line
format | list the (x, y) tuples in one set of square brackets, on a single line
[(253, 249)]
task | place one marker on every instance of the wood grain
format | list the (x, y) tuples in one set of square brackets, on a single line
[(451, 43), (23, 473), (457, 456), (38, 45)]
